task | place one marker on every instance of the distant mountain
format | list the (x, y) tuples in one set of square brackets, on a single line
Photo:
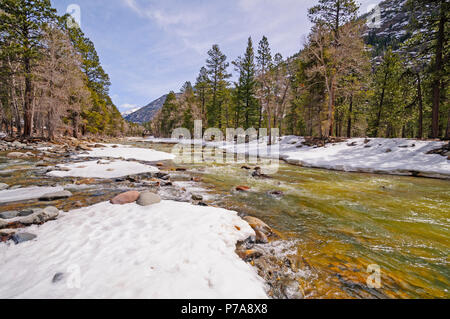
[(146, 113), (389, 26), (126, 113)]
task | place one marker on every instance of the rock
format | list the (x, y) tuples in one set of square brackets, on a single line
[(125, 198), (3, 186), (22, 237), (196, 179), (161, 175), (181, 169), (148, 198), (159, 164), (276, 193), (55, 196), (27, 212), (9, 214), (352, 144), (242, 188), (85, 181), (57, 277), (248, 255), (246, 167), (166, 184), (101, 162), (115, 146), (261, 238), (82, 147), (99, 145), (197, 197), (16, 155), (40, 216), (202, 204), (388, 150), (262, 230)]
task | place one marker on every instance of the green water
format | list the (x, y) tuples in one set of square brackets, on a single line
[(343, 222)]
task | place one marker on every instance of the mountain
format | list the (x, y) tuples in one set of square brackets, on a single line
[(388, 26), (126, 113), (146, 113)]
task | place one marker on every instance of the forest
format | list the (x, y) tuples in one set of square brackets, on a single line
[(52, 81), (344, 82)]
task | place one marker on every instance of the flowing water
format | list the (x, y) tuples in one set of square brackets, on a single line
[(333, 225), (337, 224)]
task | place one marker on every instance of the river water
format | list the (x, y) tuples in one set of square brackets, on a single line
[(333, 225), (336, 224)]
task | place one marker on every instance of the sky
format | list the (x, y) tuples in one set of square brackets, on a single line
[(151, 47)]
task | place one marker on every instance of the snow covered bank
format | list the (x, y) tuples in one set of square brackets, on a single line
[(167, 250), (22, 194), (380, 155), (376, 155), (104, 169), (128, 152)]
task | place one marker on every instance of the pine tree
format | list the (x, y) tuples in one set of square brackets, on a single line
[(169, 114), (202, 88), (21, 28), (264, 64), (246, 101), (217, 71)]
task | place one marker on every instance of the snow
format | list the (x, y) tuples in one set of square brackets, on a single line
[(128, 152), (22, 194), (111, 169), (167, 250), (369, 157)]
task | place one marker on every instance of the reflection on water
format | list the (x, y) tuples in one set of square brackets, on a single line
[(343, 222)]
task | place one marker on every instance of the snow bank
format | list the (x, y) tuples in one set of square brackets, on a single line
[(108, 170), (168, 250), (22, 194), (379, 155), (128, 152)]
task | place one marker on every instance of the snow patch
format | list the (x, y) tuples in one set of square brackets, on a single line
[(22, 194), (128, 152), (167, 250), (108, 170)]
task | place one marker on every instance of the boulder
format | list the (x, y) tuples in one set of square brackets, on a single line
[(3, 186), (9, 215), (262, 230), (148, 198), (40, 216), (125, 198), (197, 197), (16, 155), (22, 237), (55, 196)]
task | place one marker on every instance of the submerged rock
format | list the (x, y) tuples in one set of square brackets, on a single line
[(148, 198), (242, 188), (55, 196), (22, 237), (125, 198), (9, 215)]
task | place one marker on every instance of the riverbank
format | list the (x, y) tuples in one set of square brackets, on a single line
[(178, 248), (406, 157)]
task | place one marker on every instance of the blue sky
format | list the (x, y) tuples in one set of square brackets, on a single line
[(149, 48)]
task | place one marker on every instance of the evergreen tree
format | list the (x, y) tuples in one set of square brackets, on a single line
[(217, 66), (169, 115), (264, 64), (21, 32), (202, 88), (246, 102)]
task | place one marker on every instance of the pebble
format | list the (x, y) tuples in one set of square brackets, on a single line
[(148, 198), (22, 237), (55, 196)]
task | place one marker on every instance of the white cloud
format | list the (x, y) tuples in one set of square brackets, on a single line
[(127, 106)]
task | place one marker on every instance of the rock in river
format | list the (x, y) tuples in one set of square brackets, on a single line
[(125, 198), (22, 237), (9, 215), (3, 186), (55, 196), (148, 198), (262, 230)]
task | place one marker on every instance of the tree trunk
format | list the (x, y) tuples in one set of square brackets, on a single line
[(437, 74), (349, 123), (28, 103), (419, 96), (377, 124)]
